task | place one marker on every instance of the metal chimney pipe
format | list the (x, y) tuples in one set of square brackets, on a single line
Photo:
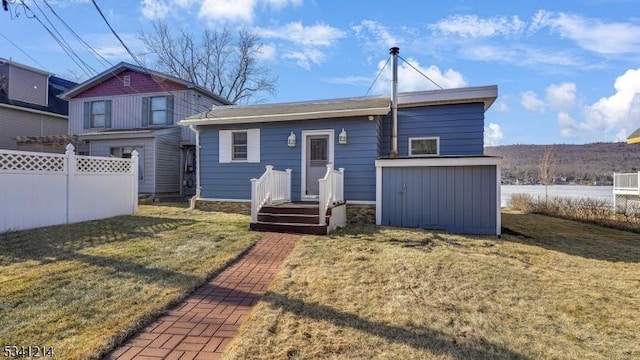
[(394, 102)]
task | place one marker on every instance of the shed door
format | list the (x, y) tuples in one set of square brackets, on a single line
[(316, 162), (453, 198)]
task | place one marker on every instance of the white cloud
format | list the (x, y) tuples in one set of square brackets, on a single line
[(279, 4), (530, 101), (591, 34), (620, 110), (567, 125), (306, 57), (266, 52), (519, 55), (493, 135), (304, 41), (619, 113), (351, 80), (376, 36), (473, 26), (411, 80), (236, 10), (228, 10), (622, 135), (562, 96), (296, 32), (154, 9), (501, 106)]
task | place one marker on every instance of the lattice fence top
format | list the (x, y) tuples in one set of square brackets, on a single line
[(16, 161), (102, 165)]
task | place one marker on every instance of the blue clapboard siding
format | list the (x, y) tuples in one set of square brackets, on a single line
[(458, 199), (232, 180), (460, 128)]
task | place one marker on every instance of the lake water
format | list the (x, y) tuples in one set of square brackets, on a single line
[(596, 192)]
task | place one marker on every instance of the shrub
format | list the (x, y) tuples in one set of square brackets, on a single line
[(583, 209)]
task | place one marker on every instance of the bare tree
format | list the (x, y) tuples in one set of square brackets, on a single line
[(547, 170), (218, 61)]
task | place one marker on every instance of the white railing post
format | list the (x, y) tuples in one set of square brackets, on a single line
[(71, 173), (269, 183), (340, 186), (134, 182), (254, 200), (288, 185)]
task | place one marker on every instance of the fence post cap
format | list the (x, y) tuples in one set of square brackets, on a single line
[(269, 167), (288, 170), (70, 147), (254, 180), (134, 153)]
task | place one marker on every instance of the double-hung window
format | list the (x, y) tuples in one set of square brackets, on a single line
[(157, 110), (97, 114), (239, 145)]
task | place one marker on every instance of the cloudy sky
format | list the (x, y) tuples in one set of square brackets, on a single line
[(567, 71)]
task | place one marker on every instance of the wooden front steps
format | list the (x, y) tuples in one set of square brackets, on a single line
[(300, 218)]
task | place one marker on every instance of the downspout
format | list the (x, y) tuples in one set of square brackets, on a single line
[(394, 103), (192, 202)]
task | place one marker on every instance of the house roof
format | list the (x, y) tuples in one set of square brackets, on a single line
[(337, 108), (25, 67), (634, 138), (118, 68), (56, 86)]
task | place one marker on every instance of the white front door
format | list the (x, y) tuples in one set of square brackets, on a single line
[(317, 152)]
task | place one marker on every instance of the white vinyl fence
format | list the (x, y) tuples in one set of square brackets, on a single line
[(42, 189)]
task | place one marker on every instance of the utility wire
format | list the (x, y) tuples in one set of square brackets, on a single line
[(133, 56), (63, 41), (24, 52), (95, 53), (377, 76), (55, 38), (421, 73)]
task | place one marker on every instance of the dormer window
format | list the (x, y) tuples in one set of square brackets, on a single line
[(126, 80)]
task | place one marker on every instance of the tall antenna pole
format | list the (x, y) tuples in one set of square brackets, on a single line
[(394, 103)]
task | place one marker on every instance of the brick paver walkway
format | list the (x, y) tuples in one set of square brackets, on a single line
[(203, 324)]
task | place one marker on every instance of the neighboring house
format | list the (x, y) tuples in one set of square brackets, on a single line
[(128, 108), (626, 186), (634, 138), (440, 178), (29, 106)]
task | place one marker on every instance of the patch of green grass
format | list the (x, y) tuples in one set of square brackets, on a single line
[(83, 288), (560, 289)]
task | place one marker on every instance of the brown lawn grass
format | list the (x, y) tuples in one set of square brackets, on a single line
[(83, 288), (562, 290)]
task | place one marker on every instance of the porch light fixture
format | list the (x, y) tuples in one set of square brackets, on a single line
[(342, 138), (291, 140)]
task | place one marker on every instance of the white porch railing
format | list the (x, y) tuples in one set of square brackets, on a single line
[(271, 188), (626, 183), (331, 191)]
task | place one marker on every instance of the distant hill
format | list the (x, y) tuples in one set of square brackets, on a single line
[(580, 164)]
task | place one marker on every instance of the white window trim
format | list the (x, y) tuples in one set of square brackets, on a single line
[(436, 138), (225, 146)]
